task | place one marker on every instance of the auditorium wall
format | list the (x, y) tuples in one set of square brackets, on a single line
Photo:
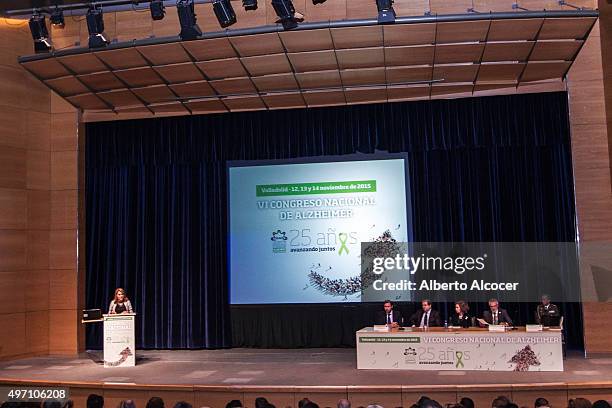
[(590, 120), (40, 280), (38, 299)]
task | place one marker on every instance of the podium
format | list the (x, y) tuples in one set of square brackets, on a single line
[(119, 340)]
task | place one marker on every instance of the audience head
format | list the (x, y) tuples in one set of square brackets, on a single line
[(541, 402), (69, 404), (426, 305), (388, 306), (374, 406), (234, 404), (579, 403), (52, 404), (467, 402), (344, 403), (310, 404), (95, 401), (501, 401), (422, 400), (302, 402), (601, 404), (127, 404), (155, 402), (261, 402), (182, 404), (426, 402)]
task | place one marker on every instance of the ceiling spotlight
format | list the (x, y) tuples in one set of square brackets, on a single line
[(249, 4), (225, 12), (187, 18), (386, 14), (57, 18), (95, 26), (158, 10), (286, 13), (40, 34)]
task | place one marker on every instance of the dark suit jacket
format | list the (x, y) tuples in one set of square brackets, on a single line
[(434, 318), (547, 317), (465, 321), (504, 317), (381, 317)]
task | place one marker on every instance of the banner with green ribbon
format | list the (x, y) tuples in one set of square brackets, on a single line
[(343, 236)]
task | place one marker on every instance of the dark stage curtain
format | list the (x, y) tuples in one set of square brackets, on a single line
[(481, 169)]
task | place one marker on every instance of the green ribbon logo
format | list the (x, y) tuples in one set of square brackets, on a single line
[(343, 237), (459, 355)]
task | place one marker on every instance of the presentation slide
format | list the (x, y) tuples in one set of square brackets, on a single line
[(296, 229)]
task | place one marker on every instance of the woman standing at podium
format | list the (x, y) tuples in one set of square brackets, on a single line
[(120, 304)]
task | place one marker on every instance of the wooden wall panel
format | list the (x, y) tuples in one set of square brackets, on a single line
[(13, 208), (64, 131), (63, 331), (12, 296), (38, 202), (375, 395), (37, 167), (132, 25), (591, 391), (444, 394), (38, 130), (278, 399), (483, 395), (64, 209), (62, 249), (13, 127), (525, 395), (13, 335), (63, 170), (13, 249), (37, 332), (591, 158), (213, 398), (24, 199), (37, 243), (62, 282), (12, 167), (36, 290)]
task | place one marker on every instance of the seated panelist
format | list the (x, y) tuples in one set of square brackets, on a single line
[(461, 318), (496, 315), (389, 316), (426, 317), (547, 313)]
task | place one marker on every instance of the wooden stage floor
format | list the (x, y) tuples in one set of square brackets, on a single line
[(272, 367), (212, 378)]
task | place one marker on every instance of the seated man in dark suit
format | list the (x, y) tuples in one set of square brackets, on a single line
[(426, 317), (547, 314), (496, 315), (388, 315)]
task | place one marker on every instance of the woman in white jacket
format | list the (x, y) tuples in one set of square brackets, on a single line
[(120, 304)]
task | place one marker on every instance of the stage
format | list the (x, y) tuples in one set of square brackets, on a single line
[(213, 376)]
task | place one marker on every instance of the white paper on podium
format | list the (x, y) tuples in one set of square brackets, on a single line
[(119, 340)]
